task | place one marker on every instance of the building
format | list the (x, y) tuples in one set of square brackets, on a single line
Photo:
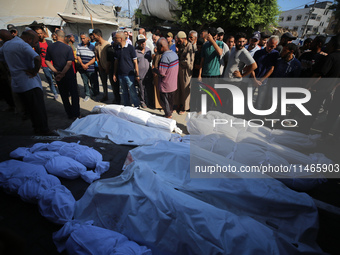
[(317, 19)]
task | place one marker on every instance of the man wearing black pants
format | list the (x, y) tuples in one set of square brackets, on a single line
[(62, 57)]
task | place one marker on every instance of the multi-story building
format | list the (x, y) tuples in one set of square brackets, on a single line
[(316, 18)]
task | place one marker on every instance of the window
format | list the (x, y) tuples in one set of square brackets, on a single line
[(298, 17), (315, 29), (302, 29), (324, 30), (326, 12), (306, 17), (295, 28), (289, 18), (281, 19), (318, 18), (321, 24), (313, 16), (328, 19)]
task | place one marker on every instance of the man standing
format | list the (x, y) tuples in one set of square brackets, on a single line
[(266, 60), (186, 57), (193, 39), (225, 55), (285, 39), (211, 52), (252, 47), (86, 59), (101, 57), (24, 64), (12, 29), (168, 73), (170, 39), (125, 66), (111, 54), (59, 58), (149, 42), (41, 50), (263, 41), (144, 59)]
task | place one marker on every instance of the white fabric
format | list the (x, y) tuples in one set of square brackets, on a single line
[(156, 203), (57, 204), (65, 167), (198, 124), (40, 157), (20, 152), (262, 154), (84, 239), (138, 116), (116, 129)]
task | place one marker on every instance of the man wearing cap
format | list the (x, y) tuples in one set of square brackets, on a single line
[(149, 42), (12, 29), (224, 57), (170, 39), (24, 64), (211, 53), (285, 39), (144, 59), (252, 47), (86, 59), (126, 70), (263, 39), (186, 56)]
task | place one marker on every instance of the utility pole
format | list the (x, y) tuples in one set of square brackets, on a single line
[(129, 8), (309, 14)]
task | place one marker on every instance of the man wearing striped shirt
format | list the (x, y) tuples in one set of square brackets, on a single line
[(168, 74), (86, 58)]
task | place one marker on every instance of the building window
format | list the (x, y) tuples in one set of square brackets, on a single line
[(281, 19), (313, 16), (321, 24), (318, 18), (315, 29), (298, 17), (326, 12), (328, 19), (324, 30), (295, 28), (306, 17), (289, 18), (302, 29)]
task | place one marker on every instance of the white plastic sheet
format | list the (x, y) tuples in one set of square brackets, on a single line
[(57, 204), (139, 116), (117, 130), (156, 203), (84, 239), (40, 157), (198, 124)]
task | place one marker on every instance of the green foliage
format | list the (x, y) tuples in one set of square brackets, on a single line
[(228, 13), (147, 21)]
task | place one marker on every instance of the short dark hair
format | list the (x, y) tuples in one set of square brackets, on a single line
[(308, 40), (212, 31), (293, 47), (320, 39), (97, 32), (29, 33), (240, 35), (230, 36)]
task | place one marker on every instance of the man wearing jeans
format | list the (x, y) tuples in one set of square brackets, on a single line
[(125, 66), (86, 58), (41, 50)]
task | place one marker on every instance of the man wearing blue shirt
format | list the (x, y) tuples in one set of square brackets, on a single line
[(24, 64), (125, 66)]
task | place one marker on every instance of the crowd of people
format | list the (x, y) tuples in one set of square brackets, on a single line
[(157, 71)]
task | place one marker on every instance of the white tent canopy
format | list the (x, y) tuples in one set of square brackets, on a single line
[(163, 9)]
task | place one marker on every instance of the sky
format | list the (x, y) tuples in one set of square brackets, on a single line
[(284, 4)]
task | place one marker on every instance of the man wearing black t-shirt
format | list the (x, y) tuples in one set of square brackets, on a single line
[(62, 57)]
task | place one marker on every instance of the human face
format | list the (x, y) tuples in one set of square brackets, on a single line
[(169, 39), (142, 45), (84, 39), (271, 44), (286, 53), (119, 39), (155, 38), (14, 32), (240, 43), (41, 34), (192, 38), (253, 42), (96, 37), (181, 41), (54, 37), (263, 42), (220, 37), (92, 37), (231, 42)]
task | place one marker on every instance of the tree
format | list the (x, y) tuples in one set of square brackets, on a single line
[(336, 13), (228, 13)]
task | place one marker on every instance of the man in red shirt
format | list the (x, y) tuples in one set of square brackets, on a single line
[(41, 50)]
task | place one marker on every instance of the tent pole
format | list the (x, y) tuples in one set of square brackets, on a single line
[(91, 20)]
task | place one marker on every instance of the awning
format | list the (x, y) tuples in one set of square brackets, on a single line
[(84, 19)]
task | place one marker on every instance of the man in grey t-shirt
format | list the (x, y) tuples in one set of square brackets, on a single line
[(240, 63)]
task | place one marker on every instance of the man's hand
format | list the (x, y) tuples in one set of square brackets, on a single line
[(31, 73), (59, 76), (237, 74), (210, 38), (257, 83), (85, 67), (114, 78), (137, 78)]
